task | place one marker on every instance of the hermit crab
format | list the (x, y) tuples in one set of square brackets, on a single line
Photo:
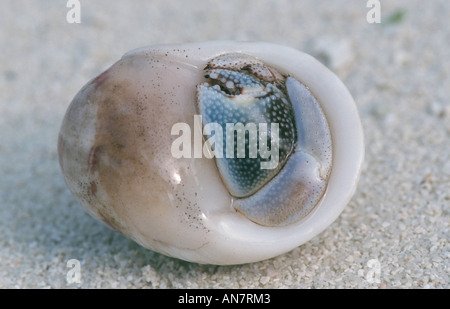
[(217, 152)]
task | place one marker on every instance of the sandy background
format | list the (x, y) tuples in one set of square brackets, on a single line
[(393, 234)]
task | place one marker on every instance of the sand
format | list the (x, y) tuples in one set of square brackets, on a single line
[(393, 234)]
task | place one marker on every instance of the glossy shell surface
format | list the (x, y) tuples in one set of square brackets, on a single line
[(116, 141)]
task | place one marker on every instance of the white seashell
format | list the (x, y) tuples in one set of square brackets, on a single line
[(122, 142)]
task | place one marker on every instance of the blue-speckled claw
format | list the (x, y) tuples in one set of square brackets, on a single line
[(232, 98), (301, 183), (280, 172)]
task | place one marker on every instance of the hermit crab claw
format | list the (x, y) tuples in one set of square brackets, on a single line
[(276, 186), (217, 152)]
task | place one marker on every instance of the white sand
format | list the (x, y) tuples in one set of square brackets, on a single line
[(393, 234)]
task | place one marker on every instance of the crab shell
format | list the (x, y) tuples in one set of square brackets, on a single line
[(115, 153)]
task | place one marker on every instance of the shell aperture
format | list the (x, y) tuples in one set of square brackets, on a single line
[(259, 109)]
